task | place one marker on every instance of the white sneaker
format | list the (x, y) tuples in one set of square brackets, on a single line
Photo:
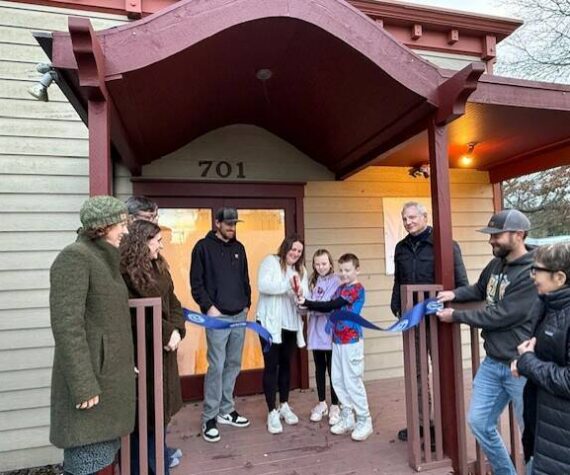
[(346, 423), (363, 429), (274, 422), (288, 415), (334, 414), (319, 411)]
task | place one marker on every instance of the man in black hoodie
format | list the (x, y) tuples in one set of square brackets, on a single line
[(220, 286), (414, 264), (506, 321)]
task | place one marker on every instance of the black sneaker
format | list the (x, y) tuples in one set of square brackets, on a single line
[(233, 419), (210, 432), (403, 434)]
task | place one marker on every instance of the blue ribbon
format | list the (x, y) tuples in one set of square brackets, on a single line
[(409, 320), (213, 323)]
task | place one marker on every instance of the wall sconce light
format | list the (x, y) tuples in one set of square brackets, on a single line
[(39, 90), (468, 159), (421, 170)]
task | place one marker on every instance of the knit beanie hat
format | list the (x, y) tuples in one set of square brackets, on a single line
[(102, 211)]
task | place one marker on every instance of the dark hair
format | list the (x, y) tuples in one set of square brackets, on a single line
[(285, 247), (349, 258), (556, 257), (94, 233), (136, 262), (315, 274), (136, 204)]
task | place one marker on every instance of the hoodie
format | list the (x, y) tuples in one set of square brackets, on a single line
[(219, 275), (509, 293)]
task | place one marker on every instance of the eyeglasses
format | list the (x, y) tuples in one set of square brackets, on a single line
[(535, 269)]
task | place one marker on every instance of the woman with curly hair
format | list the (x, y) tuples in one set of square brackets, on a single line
[(146, 274)]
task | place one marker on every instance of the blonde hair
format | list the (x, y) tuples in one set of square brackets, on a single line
[(315, 274)]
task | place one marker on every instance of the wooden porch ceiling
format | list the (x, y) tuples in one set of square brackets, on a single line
[(519, 127), (336, 85), (317, 73)]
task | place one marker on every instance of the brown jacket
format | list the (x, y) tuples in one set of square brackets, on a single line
[(172, 319)]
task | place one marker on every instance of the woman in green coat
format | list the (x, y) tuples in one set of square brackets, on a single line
[(146, 273), (93, 378)]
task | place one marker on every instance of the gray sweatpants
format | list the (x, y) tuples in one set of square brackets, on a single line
[(224, 363)]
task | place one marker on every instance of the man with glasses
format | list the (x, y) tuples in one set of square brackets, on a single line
[(141, 207), (506, 321)]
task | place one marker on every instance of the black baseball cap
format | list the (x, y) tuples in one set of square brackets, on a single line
[(507, 220), (227, 215)]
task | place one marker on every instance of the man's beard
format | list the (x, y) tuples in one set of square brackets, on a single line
[(502, 251)]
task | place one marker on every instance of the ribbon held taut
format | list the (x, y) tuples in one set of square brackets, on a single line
[(409, 320), (213, 323)]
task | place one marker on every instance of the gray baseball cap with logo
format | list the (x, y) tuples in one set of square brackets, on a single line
[(507, 220), (227, 215)]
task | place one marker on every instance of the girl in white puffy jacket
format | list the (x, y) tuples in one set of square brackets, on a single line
[(281, 278)]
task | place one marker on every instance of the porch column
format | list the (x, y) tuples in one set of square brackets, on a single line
[(91, 71), (450, 362), (100, 167)]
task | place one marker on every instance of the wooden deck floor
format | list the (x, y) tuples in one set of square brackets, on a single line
[(305, 449)]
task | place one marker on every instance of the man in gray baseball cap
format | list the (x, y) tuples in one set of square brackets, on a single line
[(508, 291)]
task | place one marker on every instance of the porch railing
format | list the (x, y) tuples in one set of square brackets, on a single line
[(140, 306), (419, 342)]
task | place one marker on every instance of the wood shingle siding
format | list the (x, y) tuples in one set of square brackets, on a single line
[(43, 181)]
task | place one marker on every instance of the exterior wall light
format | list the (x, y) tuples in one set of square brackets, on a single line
[(468, 159), (39, 90), (420, 171)]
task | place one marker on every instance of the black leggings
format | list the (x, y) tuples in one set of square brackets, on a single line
[(277, 370), (323, 361)]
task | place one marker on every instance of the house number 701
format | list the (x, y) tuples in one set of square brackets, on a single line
[(221, 169)]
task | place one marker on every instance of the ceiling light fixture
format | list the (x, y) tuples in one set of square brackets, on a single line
[(468, 159), (264, 74)]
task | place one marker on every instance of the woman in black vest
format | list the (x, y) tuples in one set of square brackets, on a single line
[(545, 361)]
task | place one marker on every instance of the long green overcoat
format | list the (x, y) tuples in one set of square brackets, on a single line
[(91, 325)]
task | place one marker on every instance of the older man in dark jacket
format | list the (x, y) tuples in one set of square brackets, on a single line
[(414, 264)]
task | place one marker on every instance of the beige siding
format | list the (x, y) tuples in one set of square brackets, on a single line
[(43, 181), (347, 217)]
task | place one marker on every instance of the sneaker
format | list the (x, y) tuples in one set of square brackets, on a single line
[(363, 429), (345, 424), (288, 415), (334, 414), (319, 411), (174, 453), (403, 434), (233, 419), (274, 422), (174, 462), (210, 432)]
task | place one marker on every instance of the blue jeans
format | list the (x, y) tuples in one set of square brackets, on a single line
[(151, 450), (493, 387), (225, 348)]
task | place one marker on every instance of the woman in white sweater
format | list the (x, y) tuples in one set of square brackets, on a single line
[(280, 277)]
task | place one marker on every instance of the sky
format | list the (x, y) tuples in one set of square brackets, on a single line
[(489, 7)]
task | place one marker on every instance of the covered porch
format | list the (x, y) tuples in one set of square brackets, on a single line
[(306, 449), (333, 84)]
